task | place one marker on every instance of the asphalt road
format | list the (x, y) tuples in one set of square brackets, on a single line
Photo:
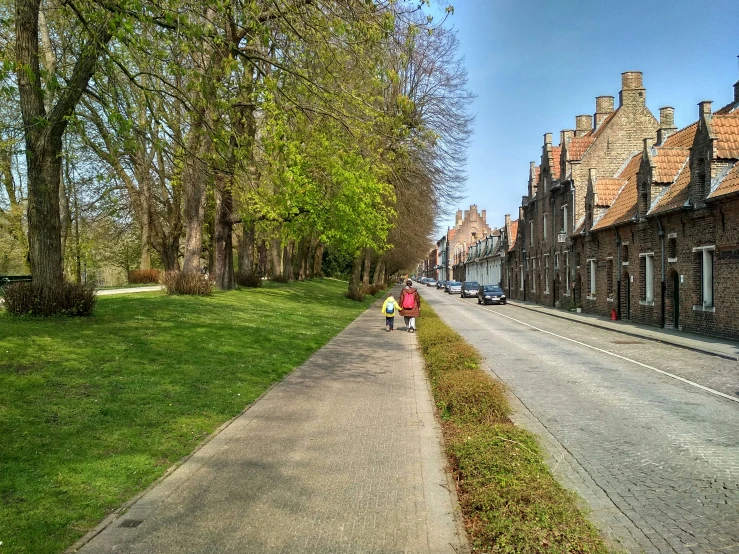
[(647, 433)]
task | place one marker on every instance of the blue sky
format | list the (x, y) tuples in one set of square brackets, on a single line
[(535, 65)]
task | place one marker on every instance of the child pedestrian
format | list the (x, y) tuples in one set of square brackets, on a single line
[(389, 308)]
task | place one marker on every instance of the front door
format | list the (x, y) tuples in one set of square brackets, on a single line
[(676, 299), (626, 297)]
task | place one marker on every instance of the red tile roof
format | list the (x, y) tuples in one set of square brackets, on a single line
[(624, 206), (729, 184), (556, 155), (578, 146), (607, 190), (726, 129), (514, 235), (682, 138), (678, 193), (668, 162)]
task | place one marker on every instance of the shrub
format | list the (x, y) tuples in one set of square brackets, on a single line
[(248, 279), (67, 299), (143, 276), (469, 396), (177, 282)]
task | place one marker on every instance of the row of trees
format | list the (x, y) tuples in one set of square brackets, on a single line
[(253, 133)]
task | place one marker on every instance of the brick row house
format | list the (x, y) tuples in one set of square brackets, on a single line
[(629, 216)]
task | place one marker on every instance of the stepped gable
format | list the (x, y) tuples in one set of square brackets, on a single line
[(672, 162), (514, 236), (729, 184), (623, 208), (726, 130), (607, 189)]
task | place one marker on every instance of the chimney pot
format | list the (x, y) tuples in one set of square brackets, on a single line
[(603, 104), (667, 117), (704, 108), (631, 80), (583, 125), (507, 220)]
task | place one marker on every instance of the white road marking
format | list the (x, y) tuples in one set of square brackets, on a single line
[(666, 373)]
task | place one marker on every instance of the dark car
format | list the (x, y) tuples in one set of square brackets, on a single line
[(440, 284), (469, 289), (490, 294)]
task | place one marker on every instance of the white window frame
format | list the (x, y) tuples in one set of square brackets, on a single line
[(520, 282), (567, 273), (564, 219), (592, 266), (544, 225), (546, 273), (531, 226), (707, 278), (648, 278)]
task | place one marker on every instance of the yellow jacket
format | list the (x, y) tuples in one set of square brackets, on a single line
[(385, 304)]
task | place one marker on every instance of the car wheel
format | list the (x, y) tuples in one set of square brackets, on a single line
[(504, 302)]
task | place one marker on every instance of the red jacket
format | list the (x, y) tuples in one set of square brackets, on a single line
[(410, 312)]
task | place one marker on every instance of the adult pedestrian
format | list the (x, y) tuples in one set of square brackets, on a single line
[(410, 306)]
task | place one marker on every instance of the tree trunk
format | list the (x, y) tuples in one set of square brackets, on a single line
[(169, 251), (194, 184), (263, 263), (379, 270), (303, 254), (354, 292), (367, 267), (223, 239), (43, 131), (276, 254), (287, 261), (246, 249), (317, 261)]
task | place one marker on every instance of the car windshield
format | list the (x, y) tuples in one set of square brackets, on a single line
[(470, 284), (454, 283), (494, 289)]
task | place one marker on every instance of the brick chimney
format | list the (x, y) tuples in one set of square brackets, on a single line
[(458, 219), (483, 216), (583, 125), (632, 91), (520, 215), (704, 110), (736, 91), (666, 124), (603, 108), (547, 139)]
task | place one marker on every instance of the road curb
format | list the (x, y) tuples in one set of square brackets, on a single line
[(626, 332)]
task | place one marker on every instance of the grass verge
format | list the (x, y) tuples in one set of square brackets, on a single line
[(92, 410), (510, 500)]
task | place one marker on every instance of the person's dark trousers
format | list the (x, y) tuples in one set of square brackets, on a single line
[(389, 322)]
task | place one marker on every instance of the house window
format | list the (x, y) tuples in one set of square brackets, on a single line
[(609, 277), (556, 260), (564, 219), (705, 261), (625, 254), (672, 249), (567, 272), (544, 224), (520, 283), (531, 236), (647, 275), (546, 273), (591, 263)]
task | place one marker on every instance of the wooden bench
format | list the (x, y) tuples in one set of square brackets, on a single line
[(10, 279)]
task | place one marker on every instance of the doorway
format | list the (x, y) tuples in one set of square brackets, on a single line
[(626, 296)]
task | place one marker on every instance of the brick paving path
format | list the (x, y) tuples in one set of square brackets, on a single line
[(342, 456), (657, 460)]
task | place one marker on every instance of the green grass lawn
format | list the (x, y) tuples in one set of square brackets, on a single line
[(92, 410)]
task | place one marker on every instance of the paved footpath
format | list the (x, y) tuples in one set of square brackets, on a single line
[(344, 455)]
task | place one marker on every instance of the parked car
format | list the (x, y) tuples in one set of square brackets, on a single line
[(469, 289), (490, 294), (422, 280), (431, 282), (454, 287), (440, 284)]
